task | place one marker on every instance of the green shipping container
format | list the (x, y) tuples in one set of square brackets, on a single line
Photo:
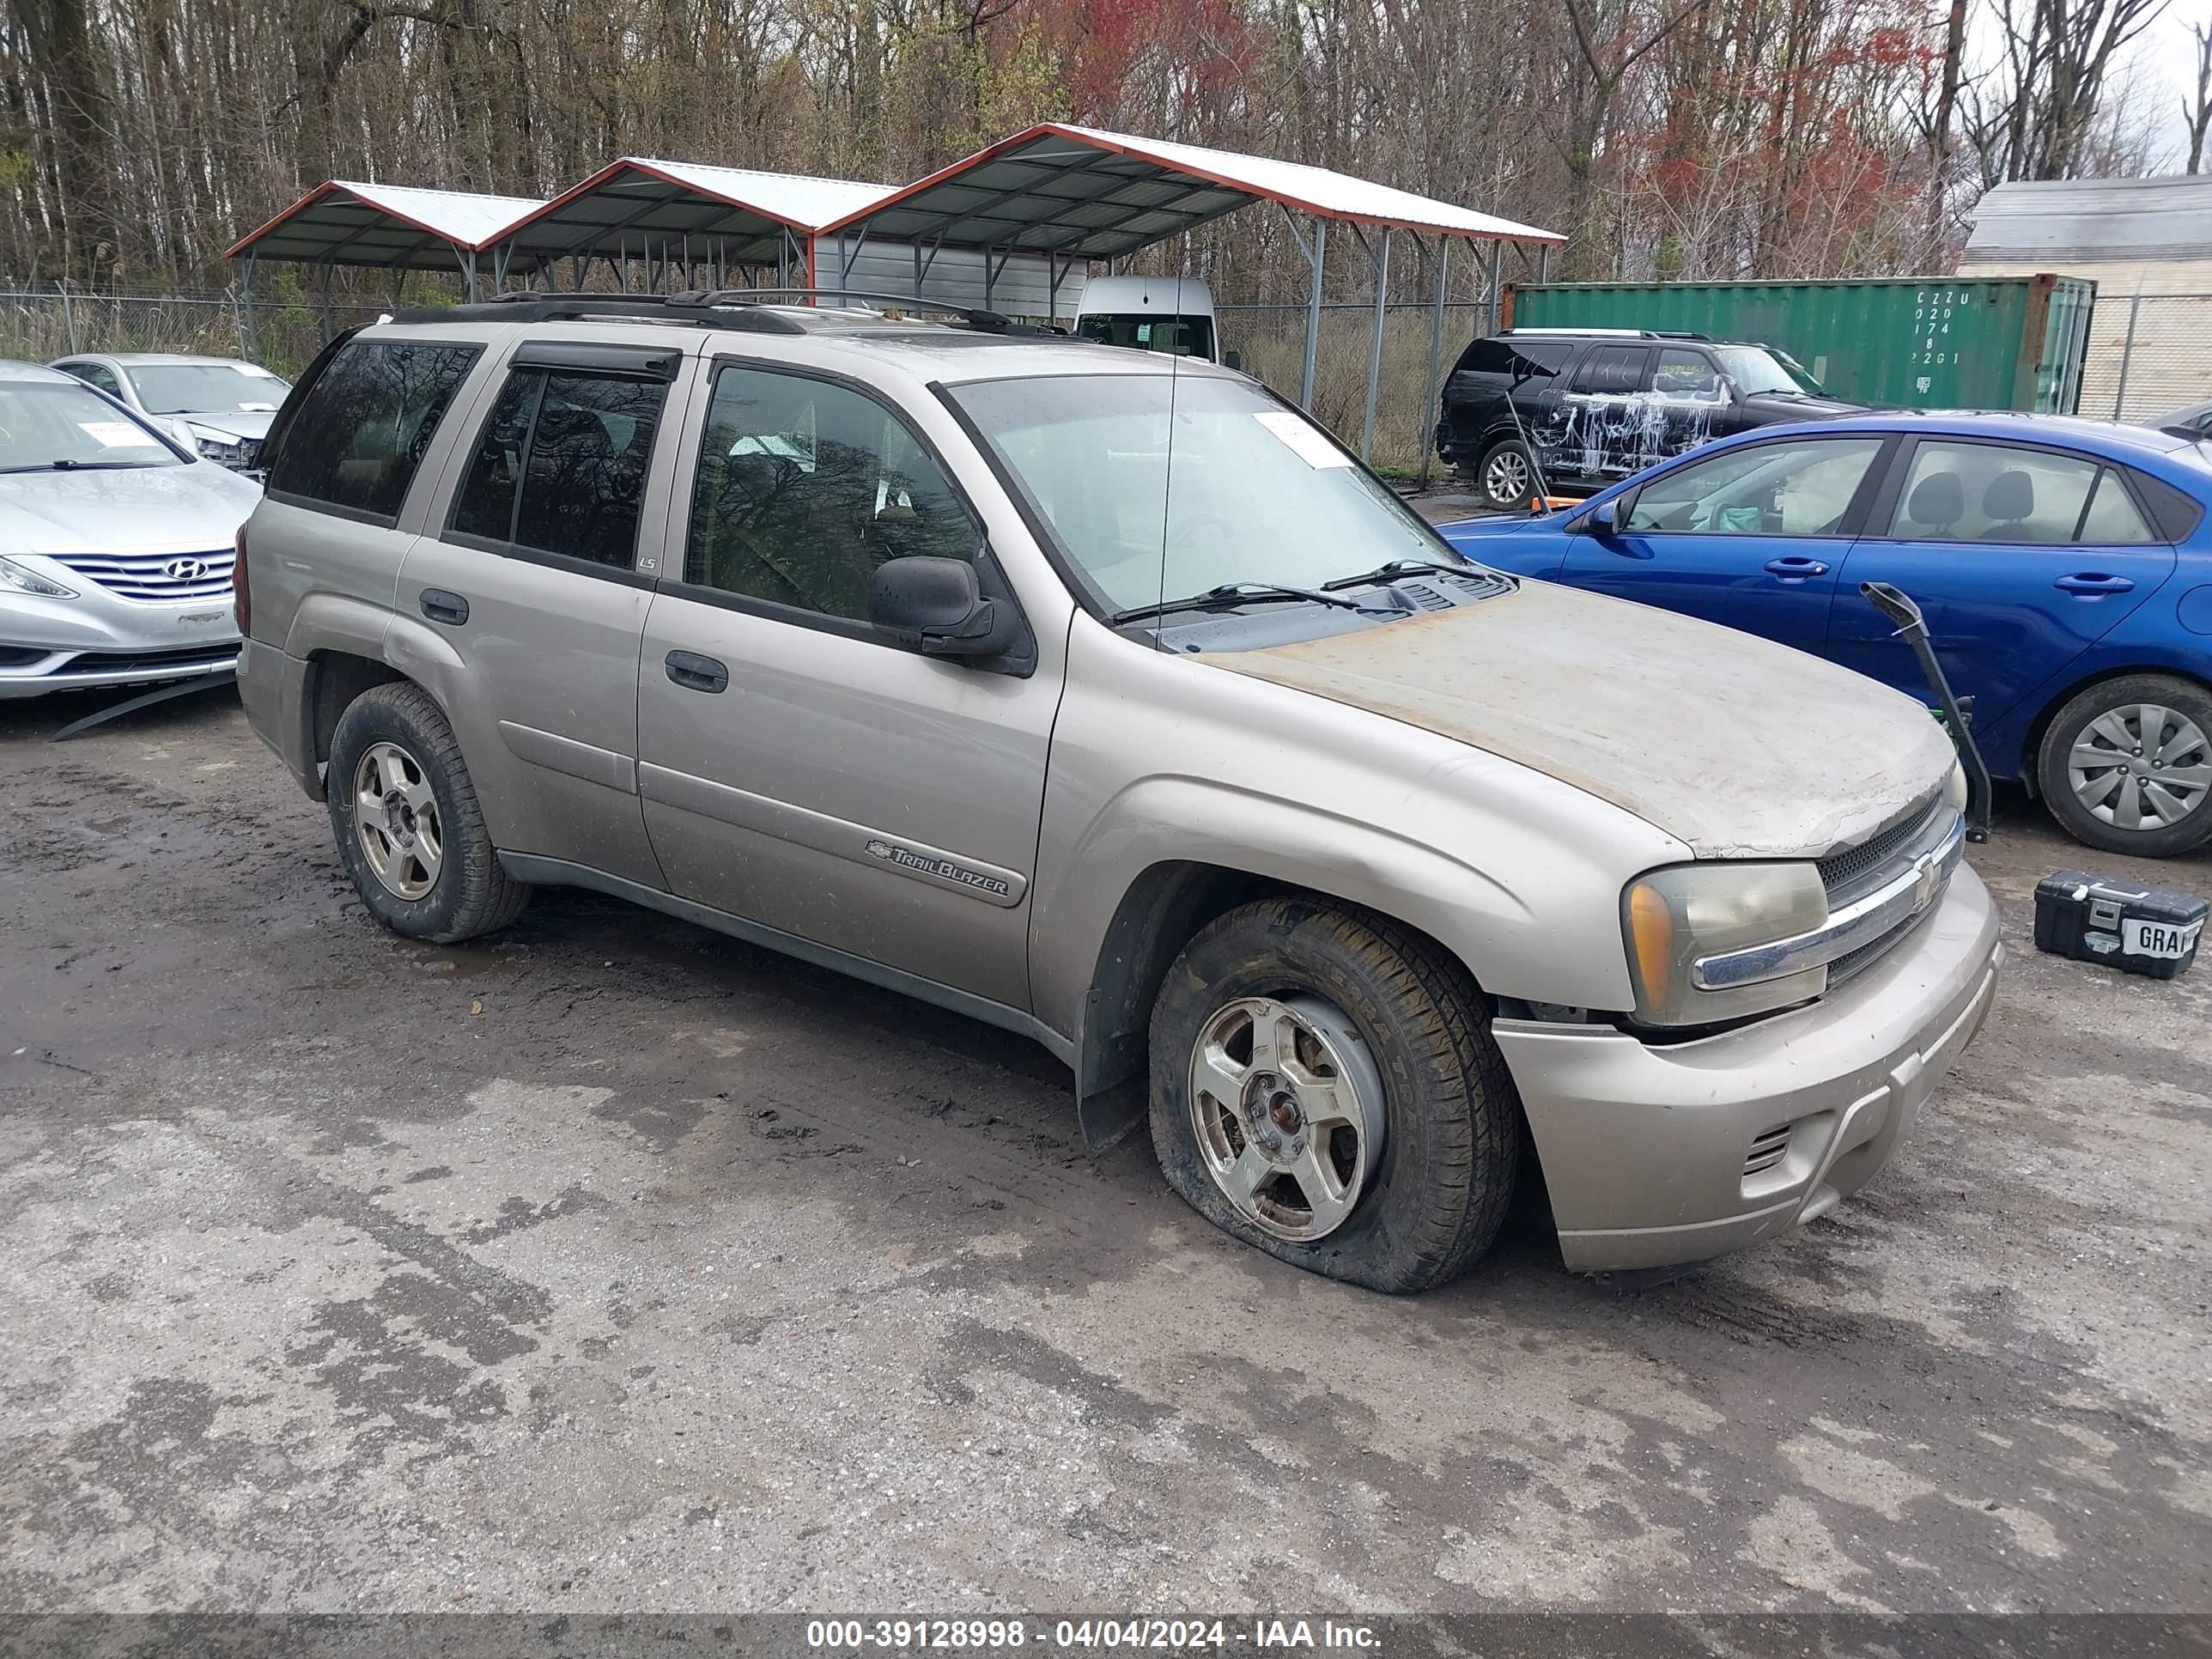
[(1915, 342)]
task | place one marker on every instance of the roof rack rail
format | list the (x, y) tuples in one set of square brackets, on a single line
[(745, 310), (1618, 333), (976, 316), (527, 307)]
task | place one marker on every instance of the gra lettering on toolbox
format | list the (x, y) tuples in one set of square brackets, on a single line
[(943, 869)]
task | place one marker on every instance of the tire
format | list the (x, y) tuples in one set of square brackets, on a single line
[(2094, 804), (428, 868), (1408, 1023), (1506, 475)]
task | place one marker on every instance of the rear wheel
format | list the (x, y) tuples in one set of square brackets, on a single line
[(1324, 1085), (405, 813), (2126, 765), (1506, 475)]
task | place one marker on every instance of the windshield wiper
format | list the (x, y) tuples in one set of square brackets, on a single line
[(79, 466), (1233, 593), (1396, 569)]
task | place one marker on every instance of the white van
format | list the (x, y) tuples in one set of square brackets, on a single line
[(1173, 314)]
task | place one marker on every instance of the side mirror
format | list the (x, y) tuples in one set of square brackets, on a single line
[(1602, 520), (1234, 359), (936, 606)]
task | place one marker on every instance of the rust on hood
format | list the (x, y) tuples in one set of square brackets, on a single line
[(1738, 747)]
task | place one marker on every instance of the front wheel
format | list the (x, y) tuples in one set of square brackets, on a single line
[(2126, 766), (1324, 1086)]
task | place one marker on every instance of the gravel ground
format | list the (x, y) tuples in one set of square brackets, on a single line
[(612, 1265)]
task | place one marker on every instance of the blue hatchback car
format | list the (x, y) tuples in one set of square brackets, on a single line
[(2064, 567)]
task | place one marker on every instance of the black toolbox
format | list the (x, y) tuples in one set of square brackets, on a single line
[(2142, 930)]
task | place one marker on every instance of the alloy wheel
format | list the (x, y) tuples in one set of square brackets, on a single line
[(1287, 1106), (396, 822), (1506, 478)]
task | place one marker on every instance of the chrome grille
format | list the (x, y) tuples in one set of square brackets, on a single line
[(146, 576), (1866, 865)]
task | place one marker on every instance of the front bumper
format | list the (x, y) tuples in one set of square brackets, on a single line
[(98, 638), (1647, 1151)]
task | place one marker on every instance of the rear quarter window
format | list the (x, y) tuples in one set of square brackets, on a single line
[(359, 432)]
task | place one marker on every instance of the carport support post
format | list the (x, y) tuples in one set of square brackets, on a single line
[(2127, 351), (68, 313), (1317, 253), (1381, 257), (1497, 274), (251, 344), (1436, 357)]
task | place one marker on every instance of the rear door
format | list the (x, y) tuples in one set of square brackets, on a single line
[(531, 579), (1604, 425), (2020, 557), (1752, 538)]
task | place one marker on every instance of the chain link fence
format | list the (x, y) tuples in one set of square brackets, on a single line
[(2150, 355), (41, 322)]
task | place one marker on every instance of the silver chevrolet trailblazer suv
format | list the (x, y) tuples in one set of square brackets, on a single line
[(1103, 697)]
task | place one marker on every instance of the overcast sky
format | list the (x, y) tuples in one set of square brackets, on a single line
[(2165, 66)]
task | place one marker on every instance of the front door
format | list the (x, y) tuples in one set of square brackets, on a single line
[(531, 581), (2020, 559), (1752, 538), (798, 771)]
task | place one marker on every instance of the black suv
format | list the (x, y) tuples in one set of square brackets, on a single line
[(1571, 409)]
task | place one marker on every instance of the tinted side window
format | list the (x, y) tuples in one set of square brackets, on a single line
[(1612, 368), (95, 375), (362, 429), (1486, 357), (560, 466), (1686, 374), (805, 487)]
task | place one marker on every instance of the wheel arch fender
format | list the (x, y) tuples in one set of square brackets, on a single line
[(2043, 704), (1171, 854)]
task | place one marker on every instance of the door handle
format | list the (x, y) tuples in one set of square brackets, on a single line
[(2093, 581), (1795, 567), (696, 673), (439, 606)]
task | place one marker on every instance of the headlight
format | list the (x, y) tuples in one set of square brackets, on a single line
[(1954, 788), (222, 451), (1673, 917), (24, 580)]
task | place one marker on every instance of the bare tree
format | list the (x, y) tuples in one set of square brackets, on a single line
[(2197, 112)]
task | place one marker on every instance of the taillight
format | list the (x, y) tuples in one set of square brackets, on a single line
[(241, 600)]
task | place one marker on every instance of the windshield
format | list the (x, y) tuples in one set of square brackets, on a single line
[(1184, 336), (205, 388), (43, 425), (1258, 492), (1755, 369)]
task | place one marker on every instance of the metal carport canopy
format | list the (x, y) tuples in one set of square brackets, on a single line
[(685, 210), (1077, 192), (384, 227)]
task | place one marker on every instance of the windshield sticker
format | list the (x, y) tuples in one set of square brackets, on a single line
[(1300, 439), (113, 435), (255, 409)]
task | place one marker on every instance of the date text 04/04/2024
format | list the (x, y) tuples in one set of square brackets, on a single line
[(1171, 1634)]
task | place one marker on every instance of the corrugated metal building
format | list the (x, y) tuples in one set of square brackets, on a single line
[(2148, 244)]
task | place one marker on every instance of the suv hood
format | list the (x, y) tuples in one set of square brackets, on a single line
[(1781, 406), (1738, 747), (196, 506)]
